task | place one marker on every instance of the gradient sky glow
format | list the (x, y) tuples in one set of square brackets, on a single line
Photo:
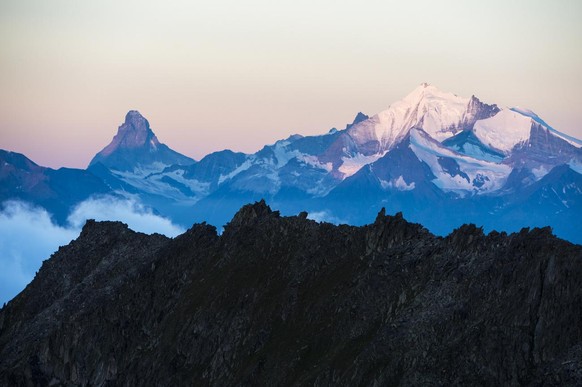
[(239, 74)]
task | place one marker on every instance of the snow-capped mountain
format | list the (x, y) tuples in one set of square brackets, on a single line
[(441, 159), (441, 115), (430, 150)]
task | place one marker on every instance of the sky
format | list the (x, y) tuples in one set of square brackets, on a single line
[(211, 75)]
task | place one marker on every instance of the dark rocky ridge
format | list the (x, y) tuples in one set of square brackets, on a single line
[(288, 301)]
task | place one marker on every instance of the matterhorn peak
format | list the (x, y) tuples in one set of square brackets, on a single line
[(135, 132), (135, 122), (136, 145), (135, 119)]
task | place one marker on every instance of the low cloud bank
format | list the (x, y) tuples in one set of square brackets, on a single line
[(129, 211), (28, 235)]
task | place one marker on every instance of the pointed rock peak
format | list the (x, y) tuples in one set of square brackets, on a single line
[(199, 231), (136, 123), (262, 206), (477, 110), (135, 146), (135, 132), (136, 120), (252, 212), (381, 217), (463, 237), (388, 231), (359, 118), (99, 229), (476, 102)]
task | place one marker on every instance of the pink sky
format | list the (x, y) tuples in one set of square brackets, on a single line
[(240, 75)]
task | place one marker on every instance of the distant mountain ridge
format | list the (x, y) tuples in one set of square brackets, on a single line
[(54, 189), (441, 159)]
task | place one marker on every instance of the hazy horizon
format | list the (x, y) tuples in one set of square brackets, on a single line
[(240, 75)]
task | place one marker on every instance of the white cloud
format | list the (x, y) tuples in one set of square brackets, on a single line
[(324, 216), (129, 211), (28, 235)]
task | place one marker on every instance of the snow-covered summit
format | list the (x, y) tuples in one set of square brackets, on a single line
[(440, 114), (504, 130), (516, 137), (437, 112)]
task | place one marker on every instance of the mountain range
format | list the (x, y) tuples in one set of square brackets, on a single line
[(440, 159)]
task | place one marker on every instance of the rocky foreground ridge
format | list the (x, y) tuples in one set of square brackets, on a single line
[(289, 301)]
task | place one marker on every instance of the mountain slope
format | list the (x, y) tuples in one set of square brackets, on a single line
[(55, 190), (288, 301), (555, 199)]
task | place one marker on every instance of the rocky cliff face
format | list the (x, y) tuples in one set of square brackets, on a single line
[(288, 301)]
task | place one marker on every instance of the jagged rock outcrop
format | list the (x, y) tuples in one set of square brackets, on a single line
[(287, 301)]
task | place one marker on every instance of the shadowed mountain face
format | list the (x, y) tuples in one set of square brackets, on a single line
[(288, 301)]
